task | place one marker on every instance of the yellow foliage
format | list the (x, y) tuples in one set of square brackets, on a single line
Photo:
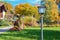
[(26, 9), (8, 6), (52, 9)]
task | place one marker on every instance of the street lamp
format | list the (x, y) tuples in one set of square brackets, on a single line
[(41, 10)]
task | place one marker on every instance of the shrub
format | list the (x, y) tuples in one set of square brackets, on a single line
[(28, 20), (4, 23)]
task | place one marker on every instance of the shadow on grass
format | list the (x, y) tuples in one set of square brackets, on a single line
[(51, 35), (34, 34)]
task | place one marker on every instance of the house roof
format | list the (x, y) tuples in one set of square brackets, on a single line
[(1, 3), (57, 1)]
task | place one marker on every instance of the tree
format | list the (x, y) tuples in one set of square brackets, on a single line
[(8, 6), (51, 14), (27, 10), (9, 13)]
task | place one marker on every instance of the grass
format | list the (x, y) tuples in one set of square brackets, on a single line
[(4, 26), (32, 34)]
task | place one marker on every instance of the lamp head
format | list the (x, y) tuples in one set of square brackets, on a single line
[(41, 9)]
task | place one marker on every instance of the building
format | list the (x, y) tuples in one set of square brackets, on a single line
[(2, 10)]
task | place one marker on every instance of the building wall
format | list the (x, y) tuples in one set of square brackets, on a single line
[(57, 1), (2, 10)]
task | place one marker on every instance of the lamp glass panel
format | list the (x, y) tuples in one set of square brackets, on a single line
[(41, 10)]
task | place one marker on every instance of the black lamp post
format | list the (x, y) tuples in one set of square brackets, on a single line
[(41, 10)]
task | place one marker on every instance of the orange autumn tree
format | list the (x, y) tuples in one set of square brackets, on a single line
[(9, 13), (27, 10), (51, 14), (8, 6)]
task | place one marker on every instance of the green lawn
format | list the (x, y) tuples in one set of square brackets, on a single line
[(2, 26), (32, 34)]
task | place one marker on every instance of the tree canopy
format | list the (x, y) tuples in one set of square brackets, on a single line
[(26, 9), (51, 14)]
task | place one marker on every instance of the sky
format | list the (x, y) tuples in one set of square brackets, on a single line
[(16, 2)]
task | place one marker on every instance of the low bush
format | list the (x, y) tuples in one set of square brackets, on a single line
[(29, 21), (4, 23)]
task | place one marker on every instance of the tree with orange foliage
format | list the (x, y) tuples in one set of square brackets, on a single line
[(27, 10), (51, 14)]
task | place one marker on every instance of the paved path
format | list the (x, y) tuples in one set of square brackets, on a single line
[(2, 30)]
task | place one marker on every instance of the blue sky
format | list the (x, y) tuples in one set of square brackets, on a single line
[(15, 2)]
